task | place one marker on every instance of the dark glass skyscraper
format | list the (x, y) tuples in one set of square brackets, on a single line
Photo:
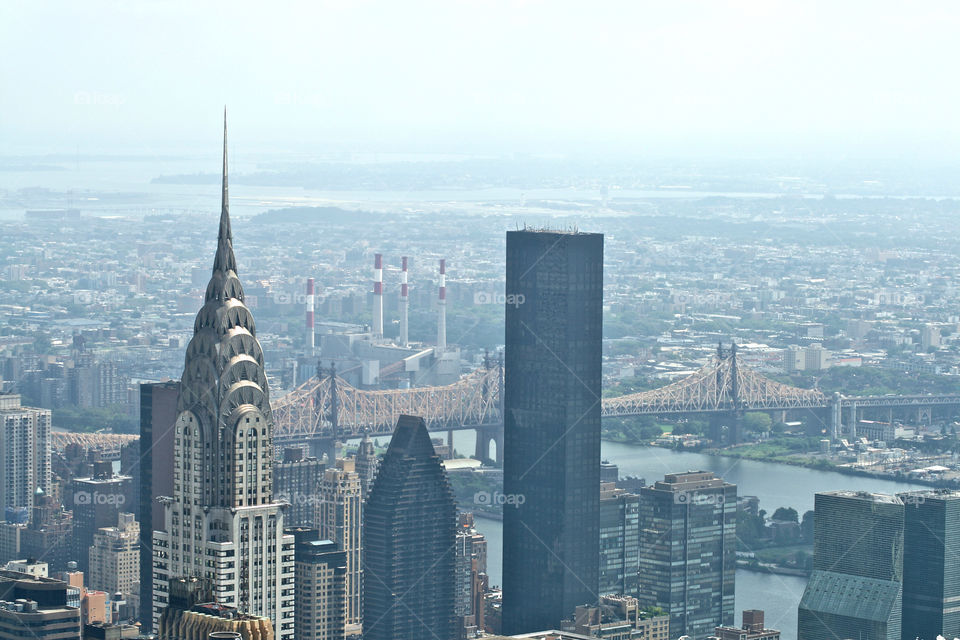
[(855, 590), (409, 538), (688, 542), (158, 412), (931, 564), (554, 317)]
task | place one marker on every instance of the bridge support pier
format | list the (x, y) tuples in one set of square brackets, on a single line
[(324, 446), (836, 418), (924, 415), (726, 428), (486, 435), (853, 421)]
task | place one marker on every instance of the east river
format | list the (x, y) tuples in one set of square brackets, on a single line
[(774, 484)]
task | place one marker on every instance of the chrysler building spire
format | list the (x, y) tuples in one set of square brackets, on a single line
[(223, 506), (224, 259)]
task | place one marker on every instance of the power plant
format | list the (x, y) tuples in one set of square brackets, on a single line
[(368, 356)]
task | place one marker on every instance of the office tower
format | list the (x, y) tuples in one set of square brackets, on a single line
[(931, 564), (551, 426), (471, 569), (688, 547), (340, 519), (24, 450), (115, 559), (321, 587), (158, 413), (32, 607), (619, 541), (192, 614), (366, 464), (296, 480), (409, 538), (222, 523), (97, 503), (856, 584)]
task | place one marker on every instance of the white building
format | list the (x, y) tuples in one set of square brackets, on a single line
[(25, 452), (222, 522)]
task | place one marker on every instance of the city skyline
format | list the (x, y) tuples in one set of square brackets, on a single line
[(557, 320)]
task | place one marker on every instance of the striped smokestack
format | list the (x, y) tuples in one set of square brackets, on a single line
[(442, 306), (378, 295), (311, 336), (404, 304)]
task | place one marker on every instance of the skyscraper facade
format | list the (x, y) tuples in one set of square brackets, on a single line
[(409, 540), (471, 569), (321, 571), (115, 559), (688, 545), (158, 414), (25, 451), (855, 590), (97, 503), (222, 523), (340, 519), (619, 541), (296, 481), (554, 316), (931, 564), (366, 464)]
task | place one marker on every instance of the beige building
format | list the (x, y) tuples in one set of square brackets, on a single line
[(115, 559), (321, 571), (201, 625), (340, 520)]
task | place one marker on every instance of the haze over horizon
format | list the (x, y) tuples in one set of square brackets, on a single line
[(689, 78)]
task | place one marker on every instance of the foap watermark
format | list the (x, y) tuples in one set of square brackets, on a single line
[(488, 297), (96, 98), (485, 498), (97, 497), (698, 498), (299, 499)]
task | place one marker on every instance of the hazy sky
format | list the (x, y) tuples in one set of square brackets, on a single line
[(481, 75)]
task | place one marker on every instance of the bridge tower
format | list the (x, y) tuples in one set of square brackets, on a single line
[(493, 432), (319, 445), (727, 379)]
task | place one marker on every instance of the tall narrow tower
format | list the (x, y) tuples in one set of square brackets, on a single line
[(551, 451), (404, 304), (378, 295), (222, 524), (442, 307), (340, 517)]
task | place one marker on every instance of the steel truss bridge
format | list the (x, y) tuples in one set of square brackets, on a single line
[(328, 407)]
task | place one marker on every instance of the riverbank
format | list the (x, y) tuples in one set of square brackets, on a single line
[(795, 460)]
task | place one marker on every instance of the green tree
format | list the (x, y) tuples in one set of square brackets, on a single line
[(786, 514), (757, 421), (806, 526)]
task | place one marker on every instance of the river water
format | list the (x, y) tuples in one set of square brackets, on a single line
[(775, 485)]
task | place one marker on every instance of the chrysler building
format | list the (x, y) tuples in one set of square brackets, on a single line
[(222, 522)]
